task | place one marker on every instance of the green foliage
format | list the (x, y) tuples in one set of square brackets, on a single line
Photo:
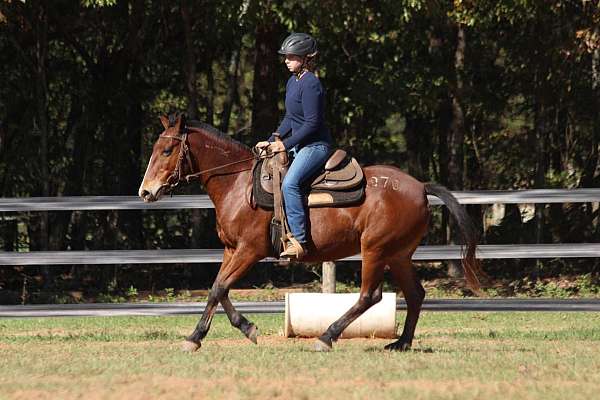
[(549, 289), (131, 293), (110, 298), (587, 285), (98, 3), (169, 295)]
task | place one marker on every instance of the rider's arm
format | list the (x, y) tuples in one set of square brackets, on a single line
[(284, 128)]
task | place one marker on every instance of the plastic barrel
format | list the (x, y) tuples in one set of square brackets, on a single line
[(310, 314)]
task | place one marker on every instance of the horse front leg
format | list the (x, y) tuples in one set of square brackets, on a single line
[(236, 263)]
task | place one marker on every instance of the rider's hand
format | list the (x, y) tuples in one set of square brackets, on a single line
[(262, 145), (277, 146)]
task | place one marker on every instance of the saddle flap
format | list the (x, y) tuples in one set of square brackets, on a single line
[(348, 177), (266, 175), (344, 172)]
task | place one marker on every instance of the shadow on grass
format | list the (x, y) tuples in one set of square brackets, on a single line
[(372, 349)]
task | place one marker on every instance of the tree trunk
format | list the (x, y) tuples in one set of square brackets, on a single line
[(540, 129), (232, 89), (41, 121), (75, 173), (192, 112), (130, 221), (456, 166), (265, 88), (595, 182), (190, 61), (418, 146), (457, 127), (210, 92)]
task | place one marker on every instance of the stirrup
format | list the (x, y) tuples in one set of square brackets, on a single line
[(293, 248)]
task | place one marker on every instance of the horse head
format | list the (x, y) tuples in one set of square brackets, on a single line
[(164, 169)]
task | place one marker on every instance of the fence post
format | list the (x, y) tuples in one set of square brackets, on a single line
[(328, 277)]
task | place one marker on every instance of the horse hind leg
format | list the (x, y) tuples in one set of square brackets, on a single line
[(370, 293), (406, 279), (238, 320)]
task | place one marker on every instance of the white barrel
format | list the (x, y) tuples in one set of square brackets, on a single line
[(310, 314)]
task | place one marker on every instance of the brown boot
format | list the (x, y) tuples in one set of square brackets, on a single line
[(293, 248)]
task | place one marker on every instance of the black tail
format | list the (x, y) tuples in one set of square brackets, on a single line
[(468, 232)]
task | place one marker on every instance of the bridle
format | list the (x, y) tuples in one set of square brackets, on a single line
[(177, 177)]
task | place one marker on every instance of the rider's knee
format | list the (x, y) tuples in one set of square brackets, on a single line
[(289, 185)]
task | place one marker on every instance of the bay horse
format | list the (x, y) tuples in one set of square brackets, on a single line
[(386, 227)]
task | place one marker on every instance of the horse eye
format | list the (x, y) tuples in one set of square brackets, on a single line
[(167, 152)]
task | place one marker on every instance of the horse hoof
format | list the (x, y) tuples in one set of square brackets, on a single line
[(190, 347), (398, 345), (321, 345), (252, 334)]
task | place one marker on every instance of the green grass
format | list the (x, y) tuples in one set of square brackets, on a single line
[(455, 356)]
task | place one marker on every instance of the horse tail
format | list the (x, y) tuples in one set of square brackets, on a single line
[(469, 234)]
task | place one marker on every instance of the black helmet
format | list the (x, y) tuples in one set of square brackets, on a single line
[(300, 44)]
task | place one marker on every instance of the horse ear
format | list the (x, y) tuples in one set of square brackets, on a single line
[(164, 121), (180, 122)]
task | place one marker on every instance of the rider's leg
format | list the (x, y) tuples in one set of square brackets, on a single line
[(306, 164)]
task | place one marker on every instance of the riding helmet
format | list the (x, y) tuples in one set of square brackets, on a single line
[(300, 44)]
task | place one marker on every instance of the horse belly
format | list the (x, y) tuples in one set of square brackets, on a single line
[(334, 232)]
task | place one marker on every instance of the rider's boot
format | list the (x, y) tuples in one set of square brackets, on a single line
[(294, 248)]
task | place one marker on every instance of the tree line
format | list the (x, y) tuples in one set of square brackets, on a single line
[(472, 95)]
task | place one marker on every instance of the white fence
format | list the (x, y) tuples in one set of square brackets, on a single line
[(424, 253)]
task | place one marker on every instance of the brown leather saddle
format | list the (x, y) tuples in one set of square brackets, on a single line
[(340, 183)]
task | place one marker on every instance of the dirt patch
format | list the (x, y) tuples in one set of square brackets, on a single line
[(168, 387), (31, 395), (262, 340), (276, 340)]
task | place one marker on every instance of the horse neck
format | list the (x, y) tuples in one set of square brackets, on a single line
[(212, 151)]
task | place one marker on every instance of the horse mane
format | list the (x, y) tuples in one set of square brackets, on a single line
[(220, 136)]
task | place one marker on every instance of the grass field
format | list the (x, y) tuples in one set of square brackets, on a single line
[(455, 356)]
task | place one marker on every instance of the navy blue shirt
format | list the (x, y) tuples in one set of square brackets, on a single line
[(304, 120)]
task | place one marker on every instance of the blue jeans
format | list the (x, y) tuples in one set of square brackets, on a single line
[(307, 162)]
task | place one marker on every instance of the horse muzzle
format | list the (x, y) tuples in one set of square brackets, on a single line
[(150, 195), (147, 196)]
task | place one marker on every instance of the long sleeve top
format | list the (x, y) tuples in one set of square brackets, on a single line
[(304, 120)]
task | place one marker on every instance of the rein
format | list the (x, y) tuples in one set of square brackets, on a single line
[(177, 176)]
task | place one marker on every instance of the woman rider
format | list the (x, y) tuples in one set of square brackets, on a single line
[(303, 134)]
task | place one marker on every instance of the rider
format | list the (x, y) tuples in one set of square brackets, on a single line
[(303, 134)]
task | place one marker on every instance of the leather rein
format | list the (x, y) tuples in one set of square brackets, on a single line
[(177, 176)]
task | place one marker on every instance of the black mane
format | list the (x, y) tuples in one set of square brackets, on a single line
[(208, 129)]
